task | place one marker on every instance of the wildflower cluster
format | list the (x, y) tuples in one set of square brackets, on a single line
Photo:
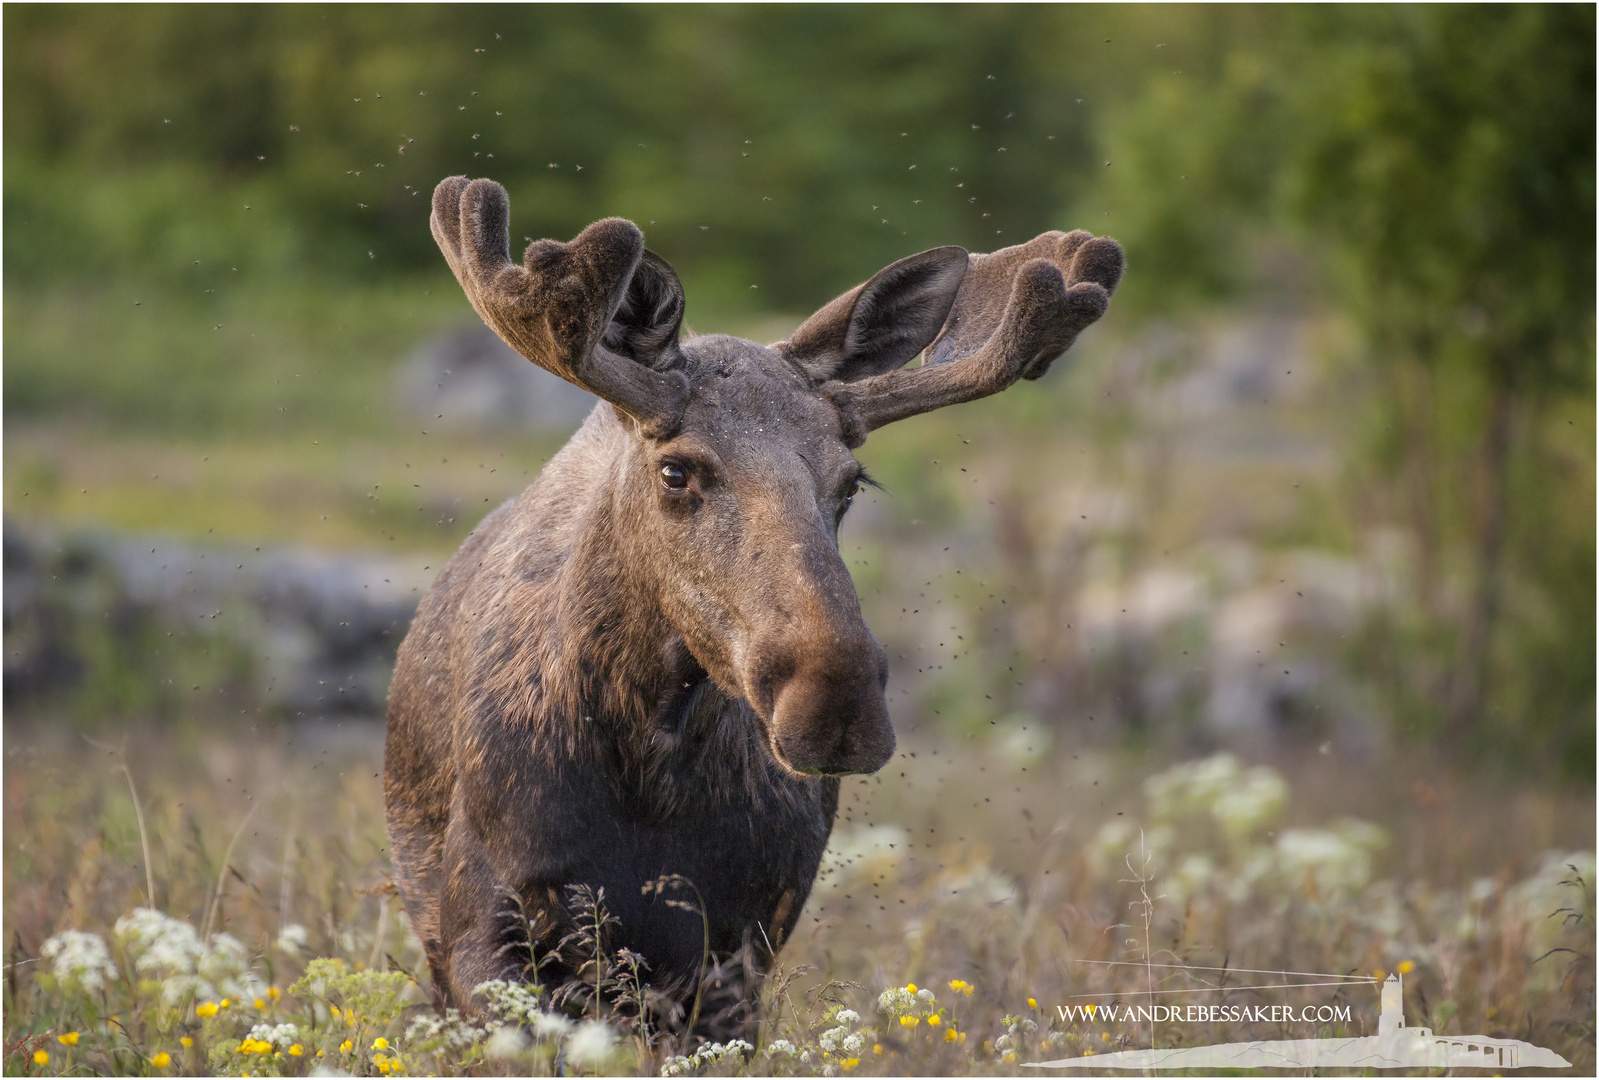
[(521, 1028), (169, 950), (1018, 1029), (736, 1051), (80, 959), (916, 1007)]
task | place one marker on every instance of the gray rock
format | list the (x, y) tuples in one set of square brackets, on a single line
[(468, 379)]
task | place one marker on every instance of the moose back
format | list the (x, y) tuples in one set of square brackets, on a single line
[(652, 662)]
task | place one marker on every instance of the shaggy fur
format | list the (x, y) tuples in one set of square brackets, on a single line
[(652, 661)]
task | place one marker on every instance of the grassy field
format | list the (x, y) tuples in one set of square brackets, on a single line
[(999, 875)]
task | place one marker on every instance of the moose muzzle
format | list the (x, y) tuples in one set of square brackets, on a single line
[(824, 706)]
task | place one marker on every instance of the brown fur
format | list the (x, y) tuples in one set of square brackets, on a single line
[(618, 677)]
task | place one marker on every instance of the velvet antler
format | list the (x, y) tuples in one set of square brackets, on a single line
[(557, 308), (1016, 310)]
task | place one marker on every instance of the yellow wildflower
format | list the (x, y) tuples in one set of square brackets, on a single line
[(41, 1057), (346, 1046), (319, 1053), (961, 1039), (1010, 1059), (186, 1041), (1406, 967), (934, 1020), (967, 989), (272, 992), (227, 1003), (910, 1021), (1104, 1036), (910, 988), (1032, 1003), (956, 984), (296, 1050), (1088, 1053), (849, 1063), (206, 1009), (69, 1039), (380, 1043), (161, 1060), (950, 1034), (260, 1003), (877, 1048)]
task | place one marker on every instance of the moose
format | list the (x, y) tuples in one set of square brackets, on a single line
[(652, 663)]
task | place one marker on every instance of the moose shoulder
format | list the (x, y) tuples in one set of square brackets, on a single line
[(652, 662)]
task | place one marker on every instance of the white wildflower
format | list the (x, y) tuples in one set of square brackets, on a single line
[(550, 1025), (80, 957), (591, 1043), (781, 1046), (507, 1042), (280, 1035), (924, 996), (292, 938), (847, 1016), (1003, 1043), (855, 1044), (514, 1002), (430, 1032), (168, 949), (830, 1038), (896, 1001), (1337, 859)]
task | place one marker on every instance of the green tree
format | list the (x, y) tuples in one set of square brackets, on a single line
[(1437, 166)]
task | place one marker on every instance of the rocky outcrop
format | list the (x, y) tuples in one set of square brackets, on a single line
[(317, 631)]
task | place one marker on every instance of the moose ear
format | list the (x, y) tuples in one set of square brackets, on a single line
[(876, 327), (646, 325)]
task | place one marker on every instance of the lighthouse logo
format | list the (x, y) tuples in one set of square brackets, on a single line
[(1395, 1046)]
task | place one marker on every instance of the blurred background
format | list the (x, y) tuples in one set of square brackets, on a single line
[(1318, 491)]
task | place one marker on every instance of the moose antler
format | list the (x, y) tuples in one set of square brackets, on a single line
[(555, 308), (1017, 310)]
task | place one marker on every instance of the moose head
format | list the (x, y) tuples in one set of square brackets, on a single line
[(738, 464)]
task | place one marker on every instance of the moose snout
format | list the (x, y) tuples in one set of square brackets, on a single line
[(825, 706)]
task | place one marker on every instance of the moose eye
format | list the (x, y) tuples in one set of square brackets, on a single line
[(674, 476), (853, 490)]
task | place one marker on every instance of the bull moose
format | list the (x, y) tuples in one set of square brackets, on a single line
[(652, 662)]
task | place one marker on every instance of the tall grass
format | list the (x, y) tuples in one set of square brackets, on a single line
[(959, 905)]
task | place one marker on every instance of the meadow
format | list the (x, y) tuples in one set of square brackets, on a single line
[(978, 884)]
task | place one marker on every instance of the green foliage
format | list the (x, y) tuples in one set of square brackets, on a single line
[(328, 122), (1434, 169)]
